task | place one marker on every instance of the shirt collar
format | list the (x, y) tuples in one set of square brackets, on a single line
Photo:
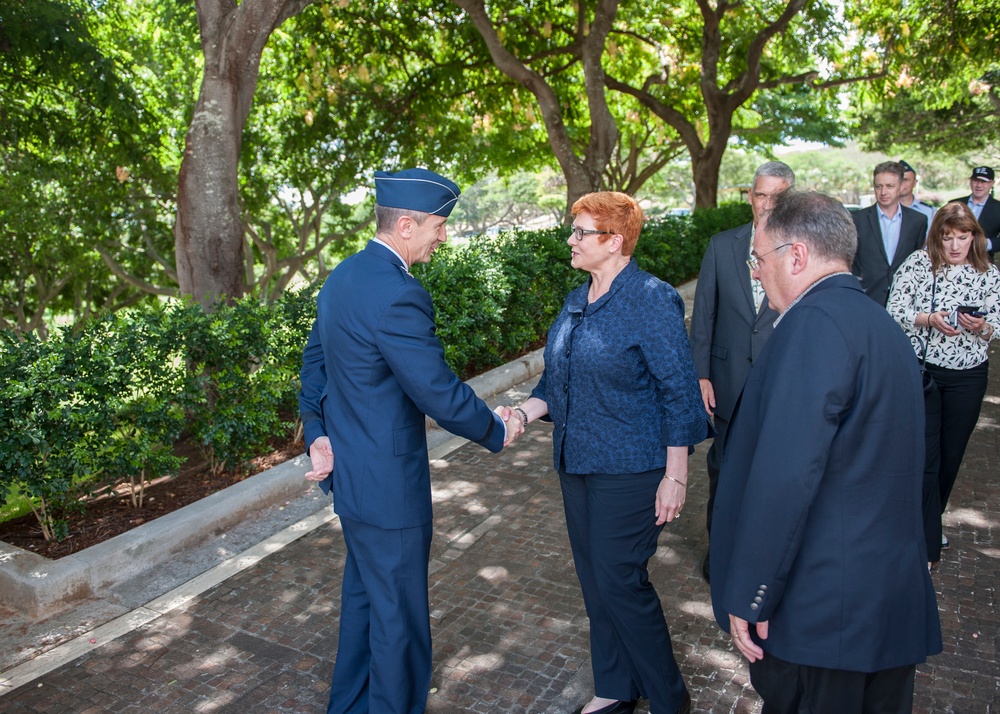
[(807, 291), (580, 304), (393, 251), (882, 214)]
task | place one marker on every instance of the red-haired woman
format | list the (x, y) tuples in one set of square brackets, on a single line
[(621, 390)]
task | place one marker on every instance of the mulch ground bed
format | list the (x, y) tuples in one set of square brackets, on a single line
[(106, 516)]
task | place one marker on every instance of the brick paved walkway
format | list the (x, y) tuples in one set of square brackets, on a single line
[(510, 632)]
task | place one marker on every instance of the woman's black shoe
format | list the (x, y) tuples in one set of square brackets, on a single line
[(616, 708)]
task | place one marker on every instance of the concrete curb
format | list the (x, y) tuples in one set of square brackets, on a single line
[(39, 587), (506, 376)]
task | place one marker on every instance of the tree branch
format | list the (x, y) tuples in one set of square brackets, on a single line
[(740, 89), (135, 282), (796, 79), (850, 80), (514, 68), (673, 117), (151, 250)]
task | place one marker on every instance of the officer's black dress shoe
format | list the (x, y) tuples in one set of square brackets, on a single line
[(616, 708), (706, 570)]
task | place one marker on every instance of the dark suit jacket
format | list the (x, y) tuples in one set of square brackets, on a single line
[(372, 369), (726, 333), (818, 515), (870, 262), (989, 219)]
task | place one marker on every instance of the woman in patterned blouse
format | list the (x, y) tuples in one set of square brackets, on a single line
[(947, 298), (621, 390)]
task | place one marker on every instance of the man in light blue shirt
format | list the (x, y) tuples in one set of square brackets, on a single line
[(906, 196)]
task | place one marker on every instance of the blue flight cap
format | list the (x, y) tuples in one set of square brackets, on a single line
[(416, 190), (906, 166)]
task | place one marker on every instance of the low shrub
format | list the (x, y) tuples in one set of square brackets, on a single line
[(84, 411), (53, 412)]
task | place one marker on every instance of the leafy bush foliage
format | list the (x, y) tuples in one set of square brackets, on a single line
[(104, 406), (495, 297)]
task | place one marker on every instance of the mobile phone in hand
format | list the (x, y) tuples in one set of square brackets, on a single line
[(970, 310)]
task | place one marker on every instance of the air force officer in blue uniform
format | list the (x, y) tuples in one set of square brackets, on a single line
[(372, 369), (819, 567)]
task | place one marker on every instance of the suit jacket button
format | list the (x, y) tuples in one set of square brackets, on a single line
[(758, 599), (763, 586), (754, 606)]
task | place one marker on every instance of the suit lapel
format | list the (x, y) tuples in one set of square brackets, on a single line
[(991, 210), (765, 306), (741, 251), (910, 239)]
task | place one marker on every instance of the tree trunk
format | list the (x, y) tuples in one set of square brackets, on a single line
[(706, 162), (705, 173), (578, 184), (208, 233)]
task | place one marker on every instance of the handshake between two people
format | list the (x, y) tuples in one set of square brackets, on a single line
[(321, 451), (516, 421)]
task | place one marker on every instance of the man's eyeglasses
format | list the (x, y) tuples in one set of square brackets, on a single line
[(753, 262), (581, 233)]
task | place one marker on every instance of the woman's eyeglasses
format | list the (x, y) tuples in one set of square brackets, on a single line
[(581, 233)]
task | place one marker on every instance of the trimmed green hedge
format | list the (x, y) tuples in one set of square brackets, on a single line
[(106, 405), (83, 411)]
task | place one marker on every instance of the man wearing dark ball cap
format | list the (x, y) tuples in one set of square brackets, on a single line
[(371, 370), (984, 207)]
